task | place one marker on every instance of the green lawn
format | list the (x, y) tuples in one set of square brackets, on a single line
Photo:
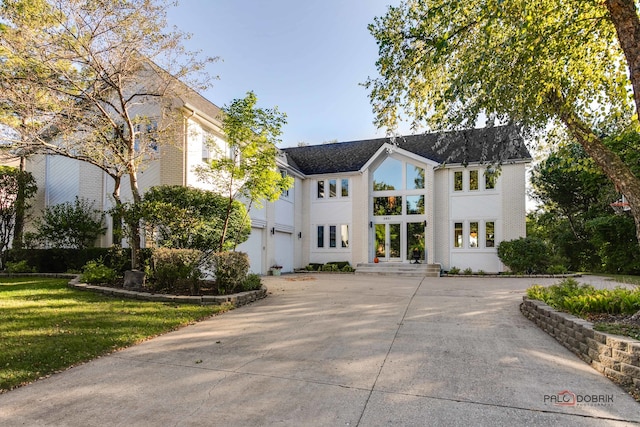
[(46, 327)]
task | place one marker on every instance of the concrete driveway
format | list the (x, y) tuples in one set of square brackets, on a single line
[(338, 350)]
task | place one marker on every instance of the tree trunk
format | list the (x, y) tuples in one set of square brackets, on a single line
[(134, 224), (624, 17), (18, 225), (117, 215)]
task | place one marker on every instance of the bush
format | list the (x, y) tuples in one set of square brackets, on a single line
[(252, 282), (339, 264), (556, 269), (230, 269), (570, 296), (19, 267), (347, 269), (97, 272), (454, 270), (176, 270), (467, 271), (314, 267), (70, 225), (527, 255), (63, 260)]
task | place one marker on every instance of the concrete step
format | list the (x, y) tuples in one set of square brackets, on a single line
[(399, 269)]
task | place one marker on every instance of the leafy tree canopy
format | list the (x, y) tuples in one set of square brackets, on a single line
[(190, 218), (449, 63)]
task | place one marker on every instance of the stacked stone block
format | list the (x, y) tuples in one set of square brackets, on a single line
[(616, 357)]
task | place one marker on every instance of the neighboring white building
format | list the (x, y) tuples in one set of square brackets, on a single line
[(352, 201)]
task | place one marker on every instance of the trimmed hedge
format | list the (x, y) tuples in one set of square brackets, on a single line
[(58, 260)]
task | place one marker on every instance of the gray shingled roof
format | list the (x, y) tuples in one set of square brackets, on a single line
[(487, 145)]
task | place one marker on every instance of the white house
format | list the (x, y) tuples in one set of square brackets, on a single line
[(352, 201)]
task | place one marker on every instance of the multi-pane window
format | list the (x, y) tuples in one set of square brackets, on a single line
[(383, 206), (337, 236), (474, 234), (334, 188)]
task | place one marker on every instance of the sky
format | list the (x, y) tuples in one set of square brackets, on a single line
[(307, 57)]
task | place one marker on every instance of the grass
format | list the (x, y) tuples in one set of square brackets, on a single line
[(46, 327)]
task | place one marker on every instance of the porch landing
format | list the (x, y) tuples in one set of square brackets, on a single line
[(398, 269)]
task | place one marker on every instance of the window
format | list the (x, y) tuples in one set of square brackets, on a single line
[(415, 205), (490, 234), (320, 193), (332, 236), (345, 187), (473, 234), (321, 236), (489, 180), (415, 240), (457, 235), (285, 193), (457, 181), (388, 176), (473, 180), (344, 235), (415, 177), (391, 205), (332, 188)]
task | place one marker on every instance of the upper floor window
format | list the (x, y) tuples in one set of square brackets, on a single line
[(415, 177), (489, 180), (285, 193), (333, 188), (457, 181), (388, 176), (344, 185), (473, 180)]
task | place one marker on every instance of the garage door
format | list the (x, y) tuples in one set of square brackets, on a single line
[(253, 247)]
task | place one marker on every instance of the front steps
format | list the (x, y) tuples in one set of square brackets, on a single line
[(399, 269)]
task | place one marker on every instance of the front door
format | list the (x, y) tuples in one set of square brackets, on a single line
[(388, 242)]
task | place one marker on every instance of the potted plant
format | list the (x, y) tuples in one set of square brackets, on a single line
[(276, 270)]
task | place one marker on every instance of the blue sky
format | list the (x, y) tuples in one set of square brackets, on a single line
[(305, 56)]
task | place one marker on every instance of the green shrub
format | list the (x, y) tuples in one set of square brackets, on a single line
[(556, 269), (96, 272), (467, 271), (339, 264), (314, 266), (230, 270), (19, 267), (527, 255), (347, 269), (568, 295), (252, 282), (70, 225), (481, 273), (454, 270), (175, 270)]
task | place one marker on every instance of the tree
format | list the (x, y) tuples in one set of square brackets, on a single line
[(248, 169), (108, 81), (569, 62), (13, 183), (74, 225), (190, 218)]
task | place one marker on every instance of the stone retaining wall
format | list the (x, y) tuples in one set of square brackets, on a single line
[(237, 300), (616, 357)]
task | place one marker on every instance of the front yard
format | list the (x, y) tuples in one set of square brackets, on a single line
[(46, 327)]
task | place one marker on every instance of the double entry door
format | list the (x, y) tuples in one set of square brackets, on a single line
[(388, 241)]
